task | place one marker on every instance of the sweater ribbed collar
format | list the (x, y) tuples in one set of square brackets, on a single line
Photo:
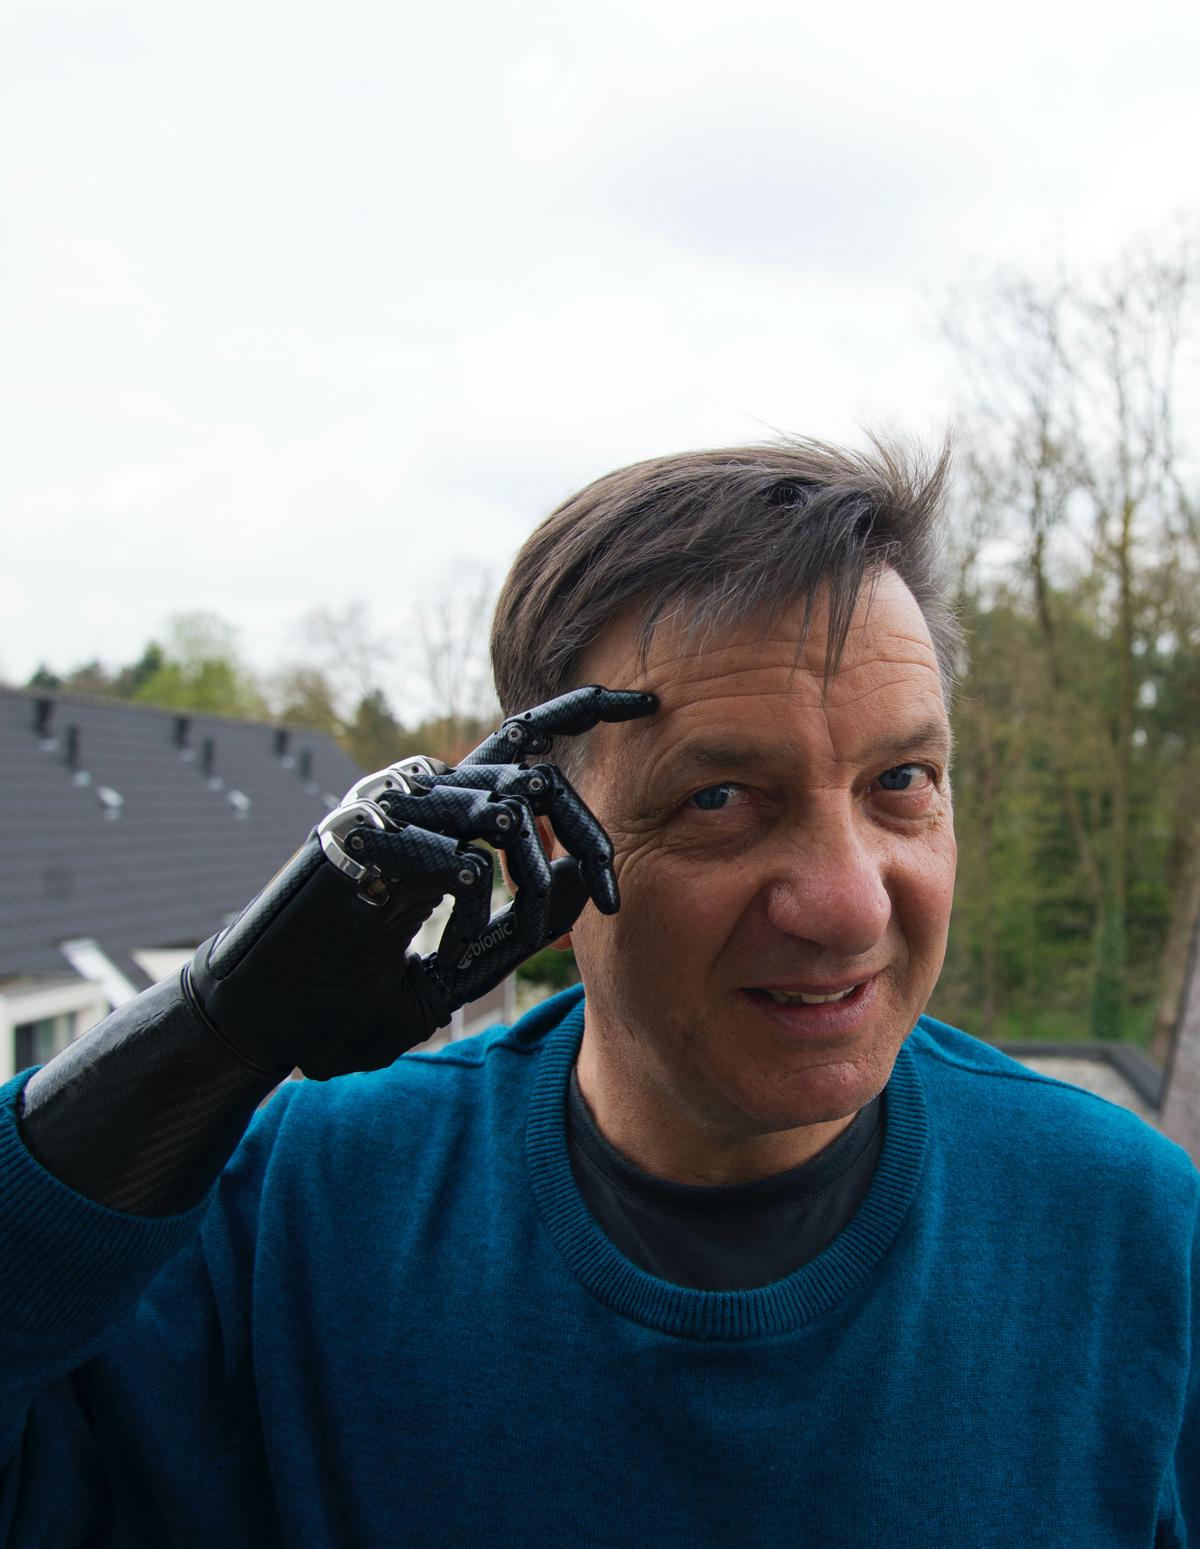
[(769, 1310)]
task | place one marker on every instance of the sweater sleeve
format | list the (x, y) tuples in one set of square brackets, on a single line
[(72, 1274), (1179, 1502), (1187, 1457)]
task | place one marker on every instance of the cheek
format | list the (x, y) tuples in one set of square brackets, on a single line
[(678, 916), (929, 895), (651, 908)]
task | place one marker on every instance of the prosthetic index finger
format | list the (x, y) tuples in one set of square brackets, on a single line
[(532, 731)]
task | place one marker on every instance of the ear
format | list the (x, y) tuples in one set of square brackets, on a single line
[(552, 848)]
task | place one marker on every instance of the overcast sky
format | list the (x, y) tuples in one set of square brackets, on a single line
[(301, 305)]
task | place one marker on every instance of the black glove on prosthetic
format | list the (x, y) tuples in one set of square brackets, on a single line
[(312, 977), (141, 1113), (181, 1068)]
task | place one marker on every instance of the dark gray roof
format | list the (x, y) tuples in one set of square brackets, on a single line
[(179, 857)]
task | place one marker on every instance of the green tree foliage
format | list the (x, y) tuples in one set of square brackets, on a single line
[(1031, 951), (199, 670), (551, 969), (88, 678), (129, 680), (374, 737), (1078, 731)]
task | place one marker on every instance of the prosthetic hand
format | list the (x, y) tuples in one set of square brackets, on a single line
[(142, 1112), (313, 972)]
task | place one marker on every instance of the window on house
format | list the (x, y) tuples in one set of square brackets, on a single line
[(36, 1042)]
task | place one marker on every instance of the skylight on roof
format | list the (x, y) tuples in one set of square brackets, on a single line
[(87, 959)]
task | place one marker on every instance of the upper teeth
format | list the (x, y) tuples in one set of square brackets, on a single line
[(789, 997)]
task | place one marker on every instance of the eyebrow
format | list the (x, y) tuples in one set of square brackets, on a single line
[(932, 736)]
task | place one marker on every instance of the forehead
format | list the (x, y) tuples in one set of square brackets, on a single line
[(888, 655)]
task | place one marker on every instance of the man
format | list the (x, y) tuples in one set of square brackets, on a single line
[(733, 1247)]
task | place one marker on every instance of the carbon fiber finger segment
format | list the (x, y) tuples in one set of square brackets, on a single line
[(456, 958), (568, 715), (581, 834), (578, 710), (581, 709), (544, 791), (476, 966), (464, 971), (461, 813), (602, 885), (531, 907), (494, 778), (414, 856), (505, 746), (539, 785), (568, 895), (613, 704), (468, 919), (523, 850), (573, 821)]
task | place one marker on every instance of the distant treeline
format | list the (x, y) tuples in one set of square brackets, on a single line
[(337, 689)]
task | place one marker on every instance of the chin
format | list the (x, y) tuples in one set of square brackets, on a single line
[(821, 1095)]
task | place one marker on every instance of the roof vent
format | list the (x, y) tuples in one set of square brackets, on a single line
[(181, 736), (112, 801), (240, 803), (43, 715), (306, 765), (283, 739), (79, 775), (208, 764)]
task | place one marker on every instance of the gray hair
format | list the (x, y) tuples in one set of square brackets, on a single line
[(712, 538)]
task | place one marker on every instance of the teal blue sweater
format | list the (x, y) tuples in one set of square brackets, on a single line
[(394, 1322)]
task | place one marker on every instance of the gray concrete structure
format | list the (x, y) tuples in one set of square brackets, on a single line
[(1181, 1094)]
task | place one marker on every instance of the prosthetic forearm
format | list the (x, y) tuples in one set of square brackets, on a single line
[(142, 1112)]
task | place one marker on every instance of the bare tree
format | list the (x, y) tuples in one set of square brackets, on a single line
[(452, 638), (343, 644), (1129, 332)]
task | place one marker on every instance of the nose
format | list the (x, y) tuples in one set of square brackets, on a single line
[(828, 887)]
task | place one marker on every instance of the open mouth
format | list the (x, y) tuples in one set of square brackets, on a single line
[(799, 998), (798, 1008)]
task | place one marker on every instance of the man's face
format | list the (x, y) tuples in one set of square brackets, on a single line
[(768, 844)]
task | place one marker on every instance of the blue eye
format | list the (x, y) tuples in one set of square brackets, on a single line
[(901, 775), (712, 797)]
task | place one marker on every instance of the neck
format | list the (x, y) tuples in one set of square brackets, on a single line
[(658, 1131)]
